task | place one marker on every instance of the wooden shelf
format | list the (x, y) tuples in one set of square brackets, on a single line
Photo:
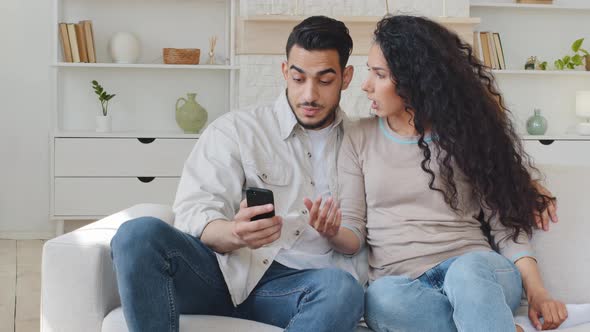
[(276, 29), (144, 66), (493, 5), (125, 134)]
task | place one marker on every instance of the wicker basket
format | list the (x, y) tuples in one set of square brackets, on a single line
[(181, 56)]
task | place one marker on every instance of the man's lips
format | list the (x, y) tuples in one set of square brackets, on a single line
[(310, 111)]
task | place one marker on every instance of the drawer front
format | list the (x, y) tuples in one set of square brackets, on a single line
[(104, 196), (569, 153), (120, 156)]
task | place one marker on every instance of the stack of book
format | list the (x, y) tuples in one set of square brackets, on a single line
[(488, 49), (77, 42)]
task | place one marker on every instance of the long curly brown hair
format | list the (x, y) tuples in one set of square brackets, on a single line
[(449, 92)]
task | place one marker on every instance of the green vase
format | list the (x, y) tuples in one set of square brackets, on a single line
[(190, 116), (536, 124)]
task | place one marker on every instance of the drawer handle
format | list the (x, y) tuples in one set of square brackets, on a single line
[(146, 179), (146, 140), (546, 141)]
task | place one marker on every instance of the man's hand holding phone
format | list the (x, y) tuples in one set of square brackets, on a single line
[(325, 220), (253, 232)]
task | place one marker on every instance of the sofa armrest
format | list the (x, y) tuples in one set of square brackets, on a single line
[(78, 285)]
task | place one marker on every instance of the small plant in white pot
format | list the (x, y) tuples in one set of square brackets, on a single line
[(103, 122)]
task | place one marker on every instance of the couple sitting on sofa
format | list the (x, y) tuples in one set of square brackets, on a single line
[(435, 186)]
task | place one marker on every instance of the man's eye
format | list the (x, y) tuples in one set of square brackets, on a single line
[(297, 79), (325, 82)]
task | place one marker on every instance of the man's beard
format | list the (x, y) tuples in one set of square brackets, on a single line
[(327, 119)]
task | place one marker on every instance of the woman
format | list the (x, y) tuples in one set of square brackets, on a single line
[(440, 163)]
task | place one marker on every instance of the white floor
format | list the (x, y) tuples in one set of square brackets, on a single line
[(20, 285)]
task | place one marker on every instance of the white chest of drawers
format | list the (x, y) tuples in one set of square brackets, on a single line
[(96, 176)]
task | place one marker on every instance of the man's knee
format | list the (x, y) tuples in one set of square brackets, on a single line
[(337, 285), (134, 234)]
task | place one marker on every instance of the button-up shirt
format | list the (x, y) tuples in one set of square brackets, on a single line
[(264, 147)]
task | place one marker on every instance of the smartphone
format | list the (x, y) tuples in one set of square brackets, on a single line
[(260, 196)]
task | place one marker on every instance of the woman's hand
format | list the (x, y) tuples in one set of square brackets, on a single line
[(542, 219), (542, 305)]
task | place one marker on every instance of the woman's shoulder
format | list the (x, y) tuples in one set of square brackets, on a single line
[(362, 127)]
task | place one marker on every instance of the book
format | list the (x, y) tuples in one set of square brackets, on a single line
[(73, 42), (499, 50), (485, 46), (477, 50), (493, 54), (81, 38), (65, 42), (89, 34)]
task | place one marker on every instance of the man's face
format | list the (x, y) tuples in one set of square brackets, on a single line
[(314, 82)]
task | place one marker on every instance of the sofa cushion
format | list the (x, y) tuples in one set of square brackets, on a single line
[(563, 252), (115, 322)]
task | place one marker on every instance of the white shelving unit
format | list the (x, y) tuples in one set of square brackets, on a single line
[(140, 161), (545, 31), (526, 6)]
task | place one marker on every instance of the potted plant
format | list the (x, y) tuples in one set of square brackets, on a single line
[(577, 59), (103, 122)]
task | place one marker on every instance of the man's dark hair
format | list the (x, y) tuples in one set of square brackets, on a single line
[(322, 33)]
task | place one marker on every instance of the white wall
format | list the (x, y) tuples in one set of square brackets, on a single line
[(24, 128), (25, 97)]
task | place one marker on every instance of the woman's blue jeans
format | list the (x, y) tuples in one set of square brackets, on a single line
[(478, 291), (163, 272)]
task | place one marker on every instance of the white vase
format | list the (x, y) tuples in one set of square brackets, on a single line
[(124, 47), (103, 124)]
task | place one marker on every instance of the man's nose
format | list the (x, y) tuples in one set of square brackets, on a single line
[(310, 93)]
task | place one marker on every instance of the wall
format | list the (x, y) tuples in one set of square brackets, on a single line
[(24, 128), (25, 93), (260, 78)]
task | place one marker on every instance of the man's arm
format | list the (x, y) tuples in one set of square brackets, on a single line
[(224, 236)]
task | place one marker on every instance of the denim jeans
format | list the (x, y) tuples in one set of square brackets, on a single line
[(163, 272), (478, 291)]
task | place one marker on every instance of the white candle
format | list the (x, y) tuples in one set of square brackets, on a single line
[(444, 8)]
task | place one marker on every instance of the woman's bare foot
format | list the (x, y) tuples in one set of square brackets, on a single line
[(519, 329)]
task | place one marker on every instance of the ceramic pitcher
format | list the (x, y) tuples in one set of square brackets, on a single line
[(190, 116)]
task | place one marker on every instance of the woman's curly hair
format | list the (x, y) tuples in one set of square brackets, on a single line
[(449, 92)]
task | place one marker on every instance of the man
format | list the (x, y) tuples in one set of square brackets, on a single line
[(281, 270)]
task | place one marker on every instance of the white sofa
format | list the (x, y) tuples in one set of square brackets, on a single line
[(79, 292)]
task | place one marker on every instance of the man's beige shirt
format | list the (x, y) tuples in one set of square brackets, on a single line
[(264, 147)]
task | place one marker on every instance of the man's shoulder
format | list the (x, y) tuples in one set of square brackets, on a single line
[(247, 117)]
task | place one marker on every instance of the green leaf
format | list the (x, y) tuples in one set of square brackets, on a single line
[(566, 59), (543, 65), (570, 65), (577, 44), (559, 64), (577, 60)]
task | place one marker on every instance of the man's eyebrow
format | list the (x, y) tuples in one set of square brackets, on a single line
[(320, 73)]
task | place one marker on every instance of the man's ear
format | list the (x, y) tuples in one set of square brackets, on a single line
[(347, 76), (285, 69)]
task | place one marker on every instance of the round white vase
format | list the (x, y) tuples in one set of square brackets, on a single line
[(124, 47), (103, 124)]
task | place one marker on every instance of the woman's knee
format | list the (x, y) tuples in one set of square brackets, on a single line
[(388, 295)]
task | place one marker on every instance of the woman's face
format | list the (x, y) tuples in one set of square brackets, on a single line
[(380, 87)]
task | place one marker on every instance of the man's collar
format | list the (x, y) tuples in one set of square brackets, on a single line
[(288, 121)]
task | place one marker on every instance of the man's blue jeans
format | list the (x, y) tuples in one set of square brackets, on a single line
[(163, 272), (478, 291)]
